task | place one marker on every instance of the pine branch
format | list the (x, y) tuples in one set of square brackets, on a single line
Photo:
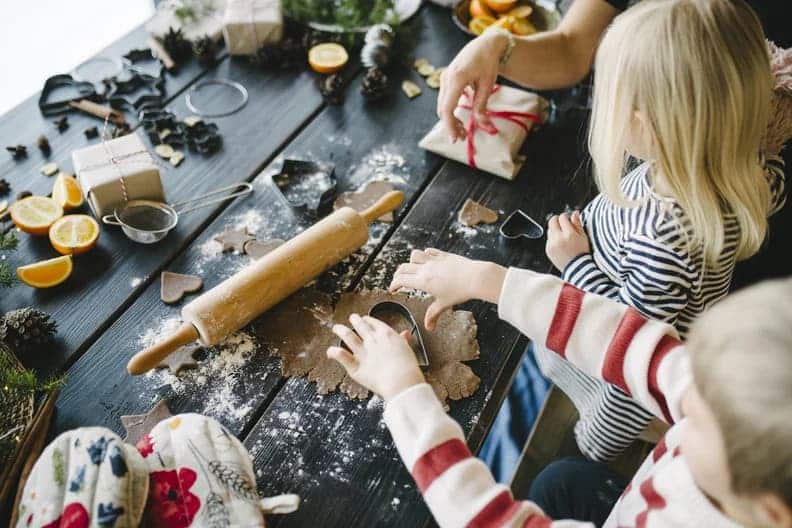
[(8, 241), (7, 277)]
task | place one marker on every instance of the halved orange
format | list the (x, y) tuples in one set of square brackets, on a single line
[(501, 6), (66, 192), (47, 273), (521, 11), (477, 25), (35, 214), (74, 234), (328, 57), (479, 9), (523, 27)]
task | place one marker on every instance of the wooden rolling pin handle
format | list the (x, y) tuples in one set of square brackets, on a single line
[(146, 360), (387, 203)]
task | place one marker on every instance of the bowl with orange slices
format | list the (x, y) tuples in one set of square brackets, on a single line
[(520, 17)]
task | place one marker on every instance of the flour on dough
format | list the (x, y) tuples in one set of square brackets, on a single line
[(299, 330), (365, 197), (473, 213)]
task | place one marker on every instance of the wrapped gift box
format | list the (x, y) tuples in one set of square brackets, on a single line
[(513, 112), (200, 18), (248, 24), (100, 169)]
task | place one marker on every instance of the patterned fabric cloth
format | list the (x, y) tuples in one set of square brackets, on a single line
[(187, 471), (644, 358), (640, 257)]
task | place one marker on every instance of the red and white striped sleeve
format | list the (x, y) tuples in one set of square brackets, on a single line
[(458, 488), (601, 337)]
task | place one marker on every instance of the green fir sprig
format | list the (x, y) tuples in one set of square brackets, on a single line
[(8, 242), (348, 14)]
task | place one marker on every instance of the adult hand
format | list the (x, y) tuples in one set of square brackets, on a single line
[(450, 279), (476, 65), (378, 358), (566, 239)]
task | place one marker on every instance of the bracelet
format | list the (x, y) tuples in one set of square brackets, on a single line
[(506, 55)]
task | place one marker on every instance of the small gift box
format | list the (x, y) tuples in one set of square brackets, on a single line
[(116, 171), (195, 18), (248, 24), (513, 113)]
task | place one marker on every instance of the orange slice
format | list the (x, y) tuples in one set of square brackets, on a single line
[(501, 6), (35, 214), (328, 57), (521, 11), (522, 27), (74, 234), (478, 9), (47, 273), (66, 192), (477, 25)]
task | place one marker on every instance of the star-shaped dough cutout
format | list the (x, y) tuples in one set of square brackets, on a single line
[(234, 239), (137, 425), (181, 358)]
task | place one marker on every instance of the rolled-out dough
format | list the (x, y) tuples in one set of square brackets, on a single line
[(473, 213), (299, 330), (365, 197)]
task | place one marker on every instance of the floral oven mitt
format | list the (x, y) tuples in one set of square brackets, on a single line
[(188, 471)]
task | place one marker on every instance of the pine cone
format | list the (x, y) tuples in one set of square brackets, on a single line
[(204, 50), (374, 85), (5, 187), (176, 45), (332, 88), (288, 54), (27, 328)]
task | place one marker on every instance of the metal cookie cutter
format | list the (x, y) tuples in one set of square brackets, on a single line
[(148, 221), (297, 182), (383, 309), (519, 224), (68, 89)]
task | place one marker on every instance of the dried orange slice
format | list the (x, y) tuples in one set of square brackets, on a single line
[(477, 25), (479, 9), (66, 192), (521, 11), (35, 214), (74, 234), (328, 57), (523, 27), (47, 273), (501, 6)]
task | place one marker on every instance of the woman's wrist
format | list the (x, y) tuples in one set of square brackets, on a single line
[(488, 281)]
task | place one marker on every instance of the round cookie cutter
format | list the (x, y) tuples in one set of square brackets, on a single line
[(197, 87), (148, 221)]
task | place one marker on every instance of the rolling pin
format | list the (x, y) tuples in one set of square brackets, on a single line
[(244, 296)]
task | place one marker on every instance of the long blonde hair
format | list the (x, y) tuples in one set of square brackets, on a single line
[(698, 73)]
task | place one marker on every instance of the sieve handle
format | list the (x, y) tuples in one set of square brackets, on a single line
[(110, 220), (240, 189)]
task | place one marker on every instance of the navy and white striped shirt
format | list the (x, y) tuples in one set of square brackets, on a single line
[(640, 256)]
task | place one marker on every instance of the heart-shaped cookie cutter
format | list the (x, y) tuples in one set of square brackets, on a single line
[(520, 225)]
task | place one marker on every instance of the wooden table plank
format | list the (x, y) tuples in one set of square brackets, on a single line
[(364, 142), (118, 269), (337, 452)]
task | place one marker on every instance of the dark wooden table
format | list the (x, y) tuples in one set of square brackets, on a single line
[(334, 452)]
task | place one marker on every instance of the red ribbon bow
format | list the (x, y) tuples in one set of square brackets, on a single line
[(520, 119)]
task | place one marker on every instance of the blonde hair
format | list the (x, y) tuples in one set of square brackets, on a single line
[(698, 72), (742, 366)]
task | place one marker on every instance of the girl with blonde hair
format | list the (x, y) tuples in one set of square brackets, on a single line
[(685, 86)]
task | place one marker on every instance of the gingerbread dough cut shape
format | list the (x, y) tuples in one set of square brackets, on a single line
[(299, 331), (473, 213), (257, 249), (137, 425), (365, 197), (234, 239), (173, 286)]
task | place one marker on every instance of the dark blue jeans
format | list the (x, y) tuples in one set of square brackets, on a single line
[(576, 488), (502, 448)]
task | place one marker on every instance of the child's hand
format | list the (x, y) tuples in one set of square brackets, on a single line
[(449, 278), (566, 239), (381, 360)]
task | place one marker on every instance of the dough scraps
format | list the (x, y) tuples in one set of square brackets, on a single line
[(365, 197), (473, 213), (299, 331), (173, 286)]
